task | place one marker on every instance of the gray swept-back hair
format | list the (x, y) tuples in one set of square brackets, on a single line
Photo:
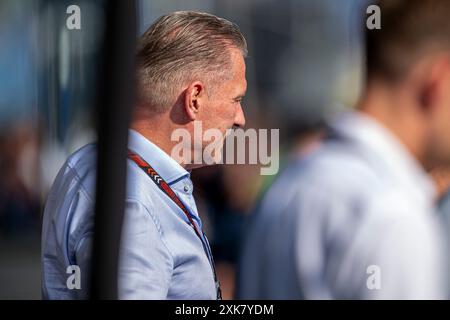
[(181, 46)]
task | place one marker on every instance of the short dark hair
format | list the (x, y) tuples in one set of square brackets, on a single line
[(409, 29)]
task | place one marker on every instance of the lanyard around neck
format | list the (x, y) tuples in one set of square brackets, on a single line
[(165, 188)]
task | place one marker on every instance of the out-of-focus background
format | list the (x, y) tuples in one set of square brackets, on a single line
[(304, 64)]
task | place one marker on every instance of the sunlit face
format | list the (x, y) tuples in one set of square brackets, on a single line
[(223, 109)]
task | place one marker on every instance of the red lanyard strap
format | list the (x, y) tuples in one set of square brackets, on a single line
[(164, 187)]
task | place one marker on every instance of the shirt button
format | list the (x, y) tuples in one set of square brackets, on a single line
[(186, 188)]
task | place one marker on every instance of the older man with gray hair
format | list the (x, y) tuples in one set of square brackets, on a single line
[(183, 57)]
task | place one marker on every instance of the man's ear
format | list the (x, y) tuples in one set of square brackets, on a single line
[(193, 99), (436, 83)]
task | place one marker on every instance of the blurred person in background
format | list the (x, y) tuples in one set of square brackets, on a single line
[(183, 57), (355, 218), (19, 133), (20, 138), (19, 199)]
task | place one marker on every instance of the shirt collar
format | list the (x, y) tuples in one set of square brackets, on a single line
[(170, 170), (381, 145)]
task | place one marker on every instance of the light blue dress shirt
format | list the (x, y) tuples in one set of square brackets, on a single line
[(161, 257), (352, 220)]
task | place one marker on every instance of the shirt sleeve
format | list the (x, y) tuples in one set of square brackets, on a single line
[(146, 265), (84, 259)]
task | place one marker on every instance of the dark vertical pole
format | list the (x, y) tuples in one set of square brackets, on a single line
[(115, 102)]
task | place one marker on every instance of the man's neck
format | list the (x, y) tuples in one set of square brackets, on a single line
[(392, 111), (156, 132)]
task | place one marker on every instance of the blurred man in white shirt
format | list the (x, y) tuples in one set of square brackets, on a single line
[(355, 219)]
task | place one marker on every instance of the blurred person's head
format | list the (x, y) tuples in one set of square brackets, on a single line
[(408, 76), (190, 68)]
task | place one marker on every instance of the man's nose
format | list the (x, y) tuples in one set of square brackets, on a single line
[(239, 119)]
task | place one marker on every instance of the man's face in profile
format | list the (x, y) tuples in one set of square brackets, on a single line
[(223, 107)]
